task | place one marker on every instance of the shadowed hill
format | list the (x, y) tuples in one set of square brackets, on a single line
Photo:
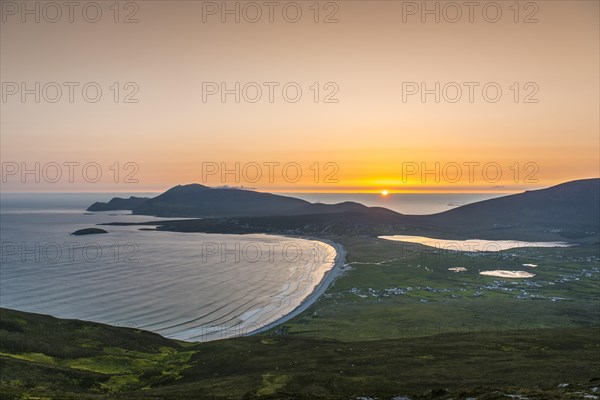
[(118, 203), (572, 209), (201, 201), (565, 206)]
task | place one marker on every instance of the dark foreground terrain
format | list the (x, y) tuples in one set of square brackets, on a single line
[(48, 358)]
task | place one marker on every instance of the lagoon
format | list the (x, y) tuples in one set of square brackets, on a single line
[(471, 245)]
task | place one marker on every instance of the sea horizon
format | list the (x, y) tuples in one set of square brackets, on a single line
[(404, 203)]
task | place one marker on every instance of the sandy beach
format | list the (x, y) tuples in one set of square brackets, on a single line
[(334, 273)]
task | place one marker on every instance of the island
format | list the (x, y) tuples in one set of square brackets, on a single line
[(88, 231)]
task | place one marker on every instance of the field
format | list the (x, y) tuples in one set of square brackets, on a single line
[(397, 290)]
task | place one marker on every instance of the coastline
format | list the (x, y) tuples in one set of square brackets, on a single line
[(271, 316), (330, 277)]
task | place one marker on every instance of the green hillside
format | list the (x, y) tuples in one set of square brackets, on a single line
[(48, 358)]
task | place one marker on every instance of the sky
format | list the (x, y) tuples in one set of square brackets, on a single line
[(346, 96)]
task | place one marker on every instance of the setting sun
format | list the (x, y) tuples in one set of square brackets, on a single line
[(384, 192)]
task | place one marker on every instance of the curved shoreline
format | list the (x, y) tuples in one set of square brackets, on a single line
[(330, 276), (278, 309)]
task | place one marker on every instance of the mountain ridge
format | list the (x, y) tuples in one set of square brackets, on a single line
[(567, 206)]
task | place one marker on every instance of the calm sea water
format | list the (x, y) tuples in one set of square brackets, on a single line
[(414, 204), (189, 286)]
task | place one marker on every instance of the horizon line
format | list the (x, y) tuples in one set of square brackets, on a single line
[(379, 189), (371, 191)]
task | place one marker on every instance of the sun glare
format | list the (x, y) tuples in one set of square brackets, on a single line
[(384, 192)]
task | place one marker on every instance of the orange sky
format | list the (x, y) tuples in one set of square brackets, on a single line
[(371, 139)]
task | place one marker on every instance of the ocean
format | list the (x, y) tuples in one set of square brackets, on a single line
[(405, 203)]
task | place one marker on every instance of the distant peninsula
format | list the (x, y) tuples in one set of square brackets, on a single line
[(118, 203)]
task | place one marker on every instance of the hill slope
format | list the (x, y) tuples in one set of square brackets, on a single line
[(572, 209), (201, 201), (568, 206), (51, 358), (118, 203)]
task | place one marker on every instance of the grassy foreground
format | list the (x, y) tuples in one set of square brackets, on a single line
[(44, 357)]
